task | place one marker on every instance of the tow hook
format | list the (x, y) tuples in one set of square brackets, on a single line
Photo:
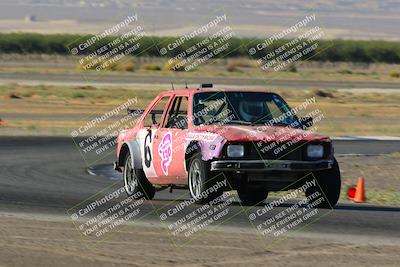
[(116, 167)]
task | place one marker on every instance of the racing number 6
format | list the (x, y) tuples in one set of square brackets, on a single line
[(147, 149)]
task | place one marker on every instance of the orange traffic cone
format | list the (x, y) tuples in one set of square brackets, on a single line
[(357, 193), (360, 191)]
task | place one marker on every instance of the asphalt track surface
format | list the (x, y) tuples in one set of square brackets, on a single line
[(47, 175)]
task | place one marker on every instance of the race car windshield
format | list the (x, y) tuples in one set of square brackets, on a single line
[(244, 108)]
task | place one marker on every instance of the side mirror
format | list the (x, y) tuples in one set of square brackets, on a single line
[(153, 118), (306, 122), (134, 112)]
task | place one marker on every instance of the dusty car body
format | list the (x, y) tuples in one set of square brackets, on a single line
[(187, 137)]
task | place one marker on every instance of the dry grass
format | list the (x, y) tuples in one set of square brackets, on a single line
[(174, 65), (345, 113), (106, 65), (151, 67), (235, 67), (394, 74)]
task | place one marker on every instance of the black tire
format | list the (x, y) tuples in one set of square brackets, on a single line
[(329, 187), (250, 196), (135, 181), (201, 180)]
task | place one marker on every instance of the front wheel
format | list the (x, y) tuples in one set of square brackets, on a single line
[(327, 188), (203, 185), (135, 181)]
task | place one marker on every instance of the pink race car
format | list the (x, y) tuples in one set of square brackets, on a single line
[(210, 141)]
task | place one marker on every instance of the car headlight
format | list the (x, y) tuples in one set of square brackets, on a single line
[(235, 151), (315, 151)]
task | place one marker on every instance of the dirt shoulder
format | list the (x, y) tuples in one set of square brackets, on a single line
[(47, 242), (381, 176)]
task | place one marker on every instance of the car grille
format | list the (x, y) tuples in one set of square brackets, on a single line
[(275, 150)]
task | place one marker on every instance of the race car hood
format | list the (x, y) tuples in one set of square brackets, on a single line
[(262, 133)]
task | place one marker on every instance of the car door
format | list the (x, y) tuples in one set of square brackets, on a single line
[(169, 143), (150, 125)]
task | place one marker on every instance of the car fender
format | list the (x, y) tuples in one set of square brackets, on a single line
[(134, 150)]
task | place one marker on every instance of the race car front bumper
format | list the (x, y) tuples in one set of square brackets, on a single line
[(270, 165)]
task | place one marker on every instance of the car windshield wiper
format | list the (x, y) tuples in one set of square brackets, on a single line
[(281, 124), (269, 122), (241, 122)]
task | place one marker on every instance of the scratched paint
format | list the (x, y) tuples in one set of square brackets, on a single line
[(210, 143)]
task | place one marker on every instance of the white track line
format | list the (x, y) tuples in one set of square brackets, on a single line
[(366, 138)]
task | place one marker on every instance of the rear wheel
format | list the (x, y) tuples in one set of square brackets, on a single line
[(328, 187), (135, 181), (202, 181)]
